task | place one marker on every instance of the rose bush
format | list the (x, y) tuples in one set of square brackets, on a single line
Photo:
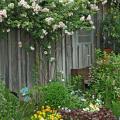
[(44, 19)]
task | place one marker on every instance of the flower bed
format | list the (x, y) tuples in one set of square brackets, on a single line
[(103, 114)]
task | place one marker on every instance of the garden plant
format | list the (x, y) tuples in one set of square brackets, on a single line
[(60, 98)]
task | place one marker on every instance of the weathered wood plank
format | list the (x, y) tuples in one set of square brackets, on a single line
[(19, 61), (10, 61)]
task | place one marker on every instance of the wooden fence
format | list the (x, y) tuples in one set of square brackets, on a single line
[(20, 66)]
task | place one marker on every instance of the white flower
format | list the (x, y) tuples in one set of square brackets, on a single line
[(41, 36), (44, 32), (62, 25), (59, 106), (91, 22), (24, 4), (69, 33), (45, 10), (69, 110), (18, 25), (20, 44), (66, 1), (55, 27), (45, 52), (32, 48), (86, 109), (63, 80), (94, 7), (82, 18), (49, 20), (3, 14), (49, 46), (36, 8), (50, 80), (11, 5), (61, 72), (8, 30), (104, 2), (52, 59), (70, 14), (82, 99), (93, 27), (89, 17)]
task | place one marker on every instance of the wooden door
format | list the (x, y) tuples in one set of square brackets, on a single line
[(83, 49)]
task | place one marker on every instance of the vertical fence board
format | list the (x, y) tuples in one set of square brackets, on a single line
[(10, 60), (68, 55)]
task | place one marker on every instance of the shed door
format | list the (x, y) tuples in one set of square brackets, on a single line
[(82, 49)]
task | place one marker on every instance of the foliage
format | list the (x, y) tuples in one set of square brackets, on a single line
[(103, 114), (8, 104), (106, 79), (77, 82), (37, 96), (57, 95), (116, 108), (47, 113), (46, 19), (99, 54), (111, 24)]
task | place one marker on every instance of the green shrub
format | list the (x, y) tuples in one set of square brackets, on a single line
[(8, 104), (56, 94), (77, 83), (116, 108)]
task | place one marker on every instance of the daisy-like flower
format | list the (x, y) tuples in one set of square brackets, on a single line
[(45, 52)]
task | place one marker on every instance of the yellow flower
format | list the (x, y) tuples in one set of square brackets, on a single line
[(35, 115), (47, 113)]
